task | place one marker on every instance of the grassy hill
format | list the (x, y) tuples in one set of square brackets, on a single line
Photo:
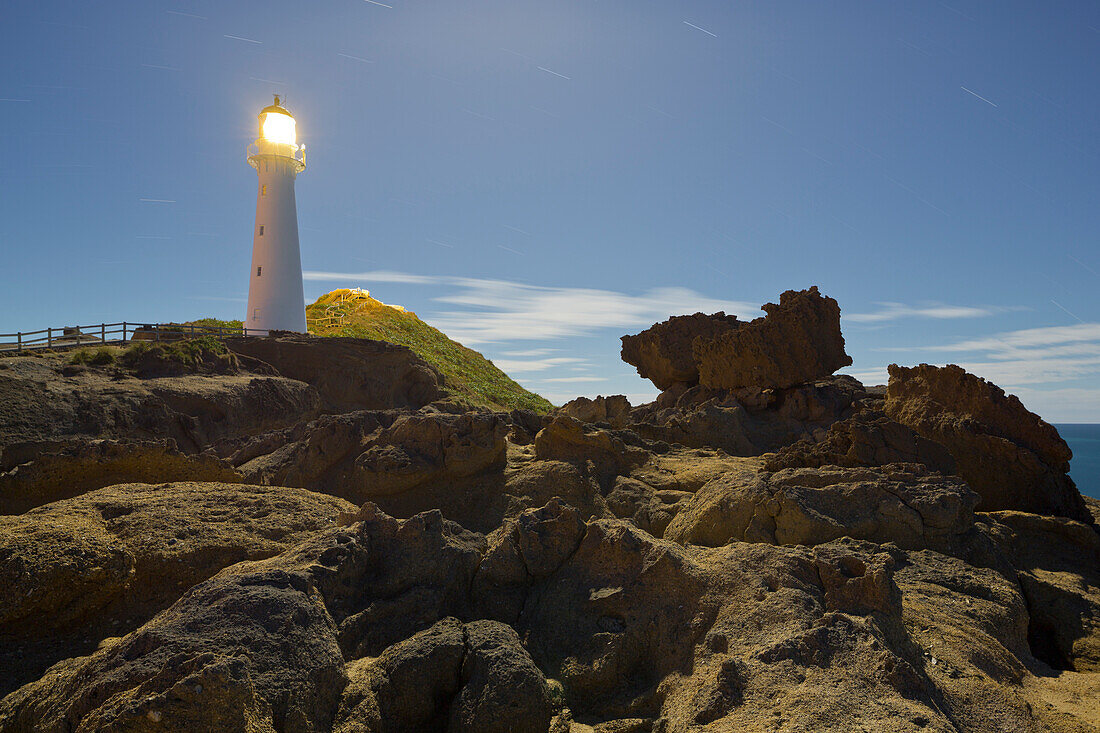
[(468, 374)]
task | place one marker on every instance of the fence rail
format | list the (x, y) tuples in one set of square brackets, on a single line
[(101, 334)]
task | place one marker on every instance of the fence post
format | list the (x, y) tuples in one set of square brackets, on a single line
[(49, 338), (103, 332), (19, 342), (156, 330), (124, 332)]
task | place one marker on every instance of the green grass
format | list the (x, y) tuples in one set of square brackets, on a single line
[(216, 323), (202, 354), (468, 375)]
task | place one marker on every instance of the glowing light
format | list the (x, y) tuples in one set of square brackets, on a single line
[(278, 128)]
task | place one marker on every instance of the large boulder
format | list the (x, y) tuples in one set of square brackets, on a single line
[(99, 565), (1010, 456), (797, 342), (450, 677), (33, 474), (349, 373), (663, 352), (901, 503), (567, 439)]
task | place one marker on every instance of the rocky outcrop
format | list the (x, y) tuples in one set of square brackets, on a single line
[(99, 565), (1009, 456), (603, 568), (371, 454), (748, 422), (349, 374), (38, 402), (570, 440), (33, 474), (905, 504), (613, 411), (868, 438), (382, 625), (1058, 565), (450, 677), (798, 341), (663, 352)]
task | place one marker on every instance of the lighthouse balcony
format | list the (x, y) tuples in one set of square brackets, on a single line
[(282, 152)]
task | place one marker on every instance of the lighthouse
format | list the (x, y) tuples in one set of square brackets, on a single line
[(275, 297)]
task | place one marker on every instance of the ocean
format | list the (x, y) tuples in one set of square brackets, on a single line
[(1084, 469)]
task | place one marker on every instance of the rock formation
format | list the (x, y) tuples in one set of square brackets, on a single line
[(798, 341), (1012, 458), (349, 374), (799, 553), (663, 352)]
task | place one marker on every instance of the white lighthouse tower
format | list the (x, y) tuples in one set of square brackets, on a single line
[(275, 297)]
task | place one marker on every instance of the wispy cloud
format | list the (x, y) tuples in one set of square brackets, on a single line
[(895, 311), (567, 380), (492, 311), (517, 366), (378, 276), (1033, 356)]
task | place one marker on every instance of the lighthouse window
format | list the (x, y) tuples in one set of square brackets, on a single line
[(261, 230), (263, 189), (258, 270)]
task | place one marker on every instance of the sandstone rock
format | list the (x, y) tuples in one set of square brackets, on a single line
[(1058, 565), (38, 403), (276, 632), (348, 373), (369, 454), (865, 439), (568, 439), (643, 634), (453, 677), (901, 503), (79, 570), (528, 548), (663, 352), (1009, 456), (614, 410), (766, 421), (33, 474), (525, 425), (421, 448), (797, 342)]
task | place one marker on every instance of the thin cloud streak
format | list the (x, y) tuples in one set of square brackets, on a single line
[(895, 311)]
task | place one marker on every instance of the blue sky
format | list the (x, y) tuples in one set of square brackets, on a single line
[(539, 178)]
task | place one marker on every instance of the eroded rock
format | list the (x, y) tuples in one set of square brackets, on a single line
[(901, 503), (99, 565), (1009, 456), (663, 352), (348, 373), (797, 342)]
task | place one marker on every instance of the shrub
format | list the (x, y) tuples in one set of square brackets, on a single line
[(93, 357)]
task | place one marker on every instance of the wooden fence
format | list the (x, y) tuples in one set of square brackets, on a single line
[(102, 334)]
